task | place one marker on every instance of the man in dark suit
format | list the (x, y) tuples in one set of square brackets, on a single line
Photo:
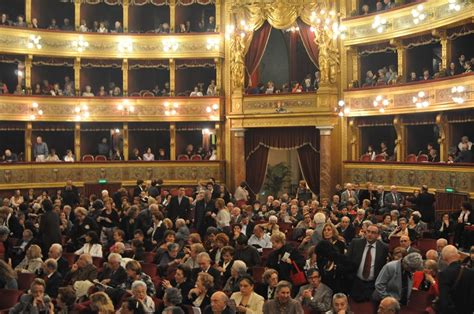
[(368, 256), (18, 251), (424, 202), (144, 219), (203, 213), (179, 206), (139, 188), (393, 200), (11, 221), (49, 227), (346, 229), (113, 274), (369, 194), (219, 304), (204, 261), (456, 288), (405, 243), (53, 279), (55, 252), (70, 194), (247, 225)]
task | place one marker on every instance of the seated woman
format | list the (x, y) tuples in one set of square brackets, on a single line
[(32, 261), (69, 157), (237, 270), (426, 279), (270, 281), (36, 301), (52, 156), (101, 303), (134, 273), (131, 306), (92, 245), (200, 296), (463, 217), (443, 228), (182, 281), (246, 299), (226, 262)]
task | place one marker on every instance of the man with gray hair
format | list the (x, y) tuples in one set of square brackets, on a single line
[(395, 278), (218, 304), (172, 297), (54, 278), (319, 221), (83, 269), (204, 261), (113, 274), (139, 289), (389, 305), (56, 252)]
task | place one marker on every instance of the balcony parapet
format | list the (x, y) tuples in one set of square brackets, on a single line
[(400, 97), (400, 22), (148, 46), (21, 108)]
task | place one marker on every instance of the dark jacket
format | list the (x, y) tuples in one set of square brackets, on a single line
[(63, 266), (87, 273), (457, 299), (213, 272), (424, 203), (201, 220), (49, 229), (53, 283), (71, 196), (284, 269), (356, 250), (175, 210), (249, 255), (116, 277), (347, 234)]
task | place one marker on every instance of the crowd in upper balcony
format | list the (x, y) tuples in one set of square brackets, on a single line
[(105, 26), (309, 84), (372, 6), (388, 75), (462, 153)]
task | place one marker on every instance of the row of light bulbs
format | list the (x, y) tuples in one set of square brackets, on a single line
[(123, 46), (421, 100)]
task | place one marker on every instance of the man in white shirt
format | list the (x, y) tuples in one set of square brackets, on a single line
[(260, 239)]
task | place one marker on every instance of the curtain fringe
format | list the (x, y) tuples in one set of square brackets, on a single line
[(279, 148)]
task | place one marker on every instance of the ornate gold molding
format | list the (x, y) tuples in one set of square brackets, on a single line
[(408, 176), (400, 22), (439, 93), (17, 108), (43, 175), (145, 46)]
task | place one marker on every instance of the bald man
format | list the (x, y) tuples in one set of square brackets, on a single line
[(432, 255), (218, 304), (456, 284), (389, 305), (405, 243), (440, 244)]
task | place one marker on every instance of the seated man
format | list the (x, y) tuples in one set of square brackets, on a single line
[(405, 243), (113, 274), (83, 269), (36, 301), (260, 239), (316, 295), (54, 278)]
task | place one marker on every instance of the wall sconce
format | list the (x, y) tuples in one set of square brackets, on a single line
[(170, 109), (170, 45), (421, 100), (80, 44), (213, 111), (81, 112), (418, 14), (459, 94), (243, 28), (35, 111), (454, 5), (34, 42), (125, 45), (381, 103), (380, 24), (342, 109), (125, 107), (212, 43)]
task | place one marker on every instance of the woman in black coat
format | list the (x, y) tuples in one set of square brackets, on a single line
[(333, 266), (283, 257)]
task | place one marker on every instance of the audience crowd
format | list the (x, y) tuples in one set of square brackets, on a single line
[(148, 250), (309, 84), (371, 6)]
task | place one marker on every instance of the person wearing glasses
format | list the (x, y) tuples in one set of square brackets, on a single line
[(315, 295)]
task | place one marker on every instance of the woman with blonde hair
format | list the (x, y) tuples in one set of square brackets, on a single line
[(32, 261), (101, 303), (331, 235)]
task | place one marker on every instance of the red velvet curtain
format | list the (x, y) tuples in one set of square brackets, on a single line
[(309, 164), (307, 37), (256, 168), (259, 141), (257, 48)]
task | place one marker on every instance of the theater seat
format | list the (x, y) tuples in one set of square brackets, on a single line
[(149, 269), (196, 157), (183, 157), (257, 273), (25, 280), (363, 307), (379, 157), (9, 297), (393, 243), (365, 158), (422, 158), (424, 245), (87, 158), (70, 258), (149, 256), (100, 158), (411, 158)]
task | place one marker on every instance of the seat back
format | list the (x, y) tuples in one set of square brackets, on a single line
[(422, 158), (25, 280), (257, 273), (88, 158), (411, 158), (149, 269), (424, 245), (196, 157), (379, 157), (365, 157), (183, 157), (70, 258), (100, 158), (393, 243), (149, 257), (97, 261), (9, 297)]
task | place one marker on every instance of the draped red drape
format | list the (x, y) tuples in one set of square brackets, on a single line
[(259, 141), (307, 37), (257, 48)]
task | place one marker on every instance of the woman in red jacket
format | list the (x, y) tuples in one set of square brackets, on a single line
[(426, 280)]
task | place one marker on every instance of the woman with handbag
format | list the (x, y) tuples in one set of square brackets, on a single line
[(286, 260)]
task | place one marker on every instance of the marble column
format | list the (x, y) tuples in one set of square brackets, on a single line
[(325, 179), (237, 156)]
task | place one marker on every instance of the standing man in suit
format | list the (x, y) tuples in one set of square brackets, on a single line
[(316, 295), (368, 255), (393, 200), (204, 261), (71, 194), (380, 199), (54, 279), (139, 188), (349, 193), (456, 288), (203, 212), (49, 227), (424, 201), (179, 206)]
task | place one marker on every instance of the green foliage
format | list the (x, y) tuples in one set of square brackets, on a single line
[(277, 178)]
